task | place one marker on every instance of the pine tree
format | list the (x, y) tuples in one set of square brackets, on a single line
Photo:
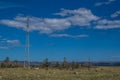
[(6, 63), (46, 64)]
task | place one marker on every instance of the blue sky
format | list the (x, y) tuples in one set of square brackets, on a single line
[(75, 29)]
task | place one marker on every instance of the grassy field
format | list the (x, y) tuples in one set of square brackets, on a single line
[(100, 73)]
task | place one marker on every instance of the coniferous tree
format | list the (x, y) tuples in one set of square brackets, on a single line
[(6, 63), (65, 64), (46, 64)]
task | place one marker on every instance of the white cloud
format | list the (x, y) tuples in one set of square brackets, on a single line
[(104, 3), (107, 24), (13, 42), (68, 35), (117, 13), (4, 47), (6, 43), (16, 24), (78, 17)]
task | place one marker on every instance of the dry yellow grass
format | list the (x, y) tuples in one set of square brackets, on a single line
[(101, 73)]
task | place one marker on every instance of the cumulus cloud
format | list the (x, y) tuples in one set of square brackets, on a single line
[(6, 43), (69, 18), (13, 42), (68, 35), (81, 17), (104, 3), (107, 24), (78, 17), (117, 13)]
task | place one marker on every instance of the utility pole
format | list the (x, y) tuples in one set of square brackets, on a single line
[(27, 47)]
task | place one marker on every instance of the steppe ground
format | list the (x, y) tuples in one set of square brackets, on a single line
[(99, 73)]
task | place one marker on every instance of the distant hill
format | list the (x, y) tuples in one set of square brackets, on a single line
[(92, 63)]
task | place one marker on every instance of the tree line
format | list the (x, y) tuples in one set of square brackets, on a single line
[(59, 65), (9, 64), (46, 64)]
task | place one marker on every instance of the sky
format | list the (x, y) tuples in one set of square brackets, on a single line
[(75, 29)]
